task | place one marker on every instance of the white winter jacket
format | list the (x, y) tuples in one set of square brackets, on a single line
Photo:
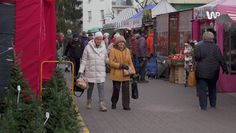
[(93, 62)]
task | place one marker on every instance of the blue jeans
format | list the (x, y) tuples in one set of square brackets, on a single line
[(202, 85)]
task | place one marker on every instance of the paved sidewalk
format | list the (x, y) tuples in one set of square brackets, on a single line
[(163, 107)]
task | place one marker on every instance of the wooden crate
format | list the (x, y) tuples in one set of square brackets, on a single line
[(179, 75), (172, 74)]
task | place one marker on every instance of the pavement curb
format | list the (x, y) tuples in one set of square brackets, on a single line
[(84, 128)]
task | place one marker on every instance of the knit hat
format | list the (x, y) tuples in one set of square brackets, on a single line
[(75, 36), (116, 35), (120, 39), (98, 34)]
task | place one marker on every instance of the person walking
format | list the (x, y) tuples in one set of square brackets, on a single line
[(208, 61), (150, 47), (93, 68), (75, 50), (141, 54), (84, 38), (68, 38), (120, 59)]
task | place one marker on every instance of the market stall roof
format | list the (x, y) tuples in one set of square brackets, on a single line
[(93, 30), (124, 15), (225, 19), (221, 6), (187, 1), (162, 7), (140, 13)]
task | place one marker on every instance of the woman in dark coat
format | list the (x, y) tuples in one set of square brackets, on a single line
[(74, 50), (209, 59)]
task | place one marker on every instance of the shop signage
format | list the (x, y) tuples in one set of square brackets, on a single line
[(212, 15)]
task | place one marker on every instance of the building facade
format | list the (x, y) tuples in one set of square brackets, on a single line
[(96, 13), (119, 5)]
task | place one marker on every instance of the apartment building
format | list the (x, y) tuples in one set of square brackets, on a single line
[(96, 13)]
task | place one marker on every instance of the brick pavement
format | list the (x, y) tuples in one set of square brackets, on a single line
[(163, 107)]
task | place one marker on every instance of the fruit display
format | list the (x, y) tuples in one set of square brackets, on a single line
[(177, 57)]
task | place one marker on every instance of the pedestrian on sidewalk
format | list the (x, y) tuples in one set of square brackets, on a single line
[(68, 38), (209, 59), (120, 59), (141, 54), (93, 68), (74, 50)]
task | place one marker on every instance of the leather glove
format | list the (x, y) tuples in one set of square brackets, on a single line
[(126, 67)]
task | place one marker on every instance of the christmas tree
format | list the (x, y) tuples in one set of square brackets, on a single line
[(23, 113), (58, 102)]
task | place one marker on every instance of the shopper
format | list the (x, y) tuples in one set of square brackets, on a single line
[(141, 54), (209, 59), (93, 68), (120, 59), (74, 50)]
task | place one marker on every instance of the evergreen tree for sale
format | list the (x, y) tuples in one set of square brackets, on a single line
[(58, 102), (23, 112)]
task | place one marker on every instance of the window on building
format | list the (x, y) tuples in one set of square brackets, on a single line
[(102, 14), (89, 1), (89, 16)]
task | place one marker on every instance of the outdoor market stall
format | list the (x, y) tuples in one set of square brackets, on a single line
[(35, 38), (205, 17)]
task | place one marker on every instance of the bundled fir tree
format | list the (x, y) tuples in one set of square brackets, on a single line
[(23, 115), (58, 102)]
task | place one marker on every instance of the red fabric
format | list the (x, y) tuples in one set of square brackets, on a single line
[(48, 45), (27, 40), (9, 1), (112, 40), (133, 45), (35, 38), (196, 30), (150, 44)]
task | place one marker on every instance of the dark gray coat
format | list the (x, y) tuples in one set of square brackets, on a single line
[(141, 47), (209, 59)]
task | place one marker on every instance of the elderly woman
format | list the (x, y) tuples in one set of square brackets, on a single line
[(209, 59), (120, 59), (93, 68)]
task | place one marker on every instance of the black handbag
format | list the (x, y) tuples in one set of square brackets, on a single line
[(134, 86)]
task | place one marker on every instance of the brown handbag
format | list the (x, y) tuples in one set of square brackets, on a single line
[(128, 72)]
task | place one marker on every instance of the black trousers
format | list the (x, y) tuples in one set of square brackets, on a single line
[(125, 93), (76, 62), (142, 68)]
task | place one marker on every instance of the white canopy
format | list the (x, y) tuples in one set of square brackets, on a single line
[(162, 7), (124, 15)]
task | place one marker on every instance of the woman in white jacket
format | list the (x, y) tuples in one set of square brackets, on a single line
[(93, 68)]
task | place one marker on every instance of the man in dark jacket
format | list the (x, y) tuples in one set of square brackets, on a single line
[(75, 50), (84, 38), (141, 54), (209, 59)]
